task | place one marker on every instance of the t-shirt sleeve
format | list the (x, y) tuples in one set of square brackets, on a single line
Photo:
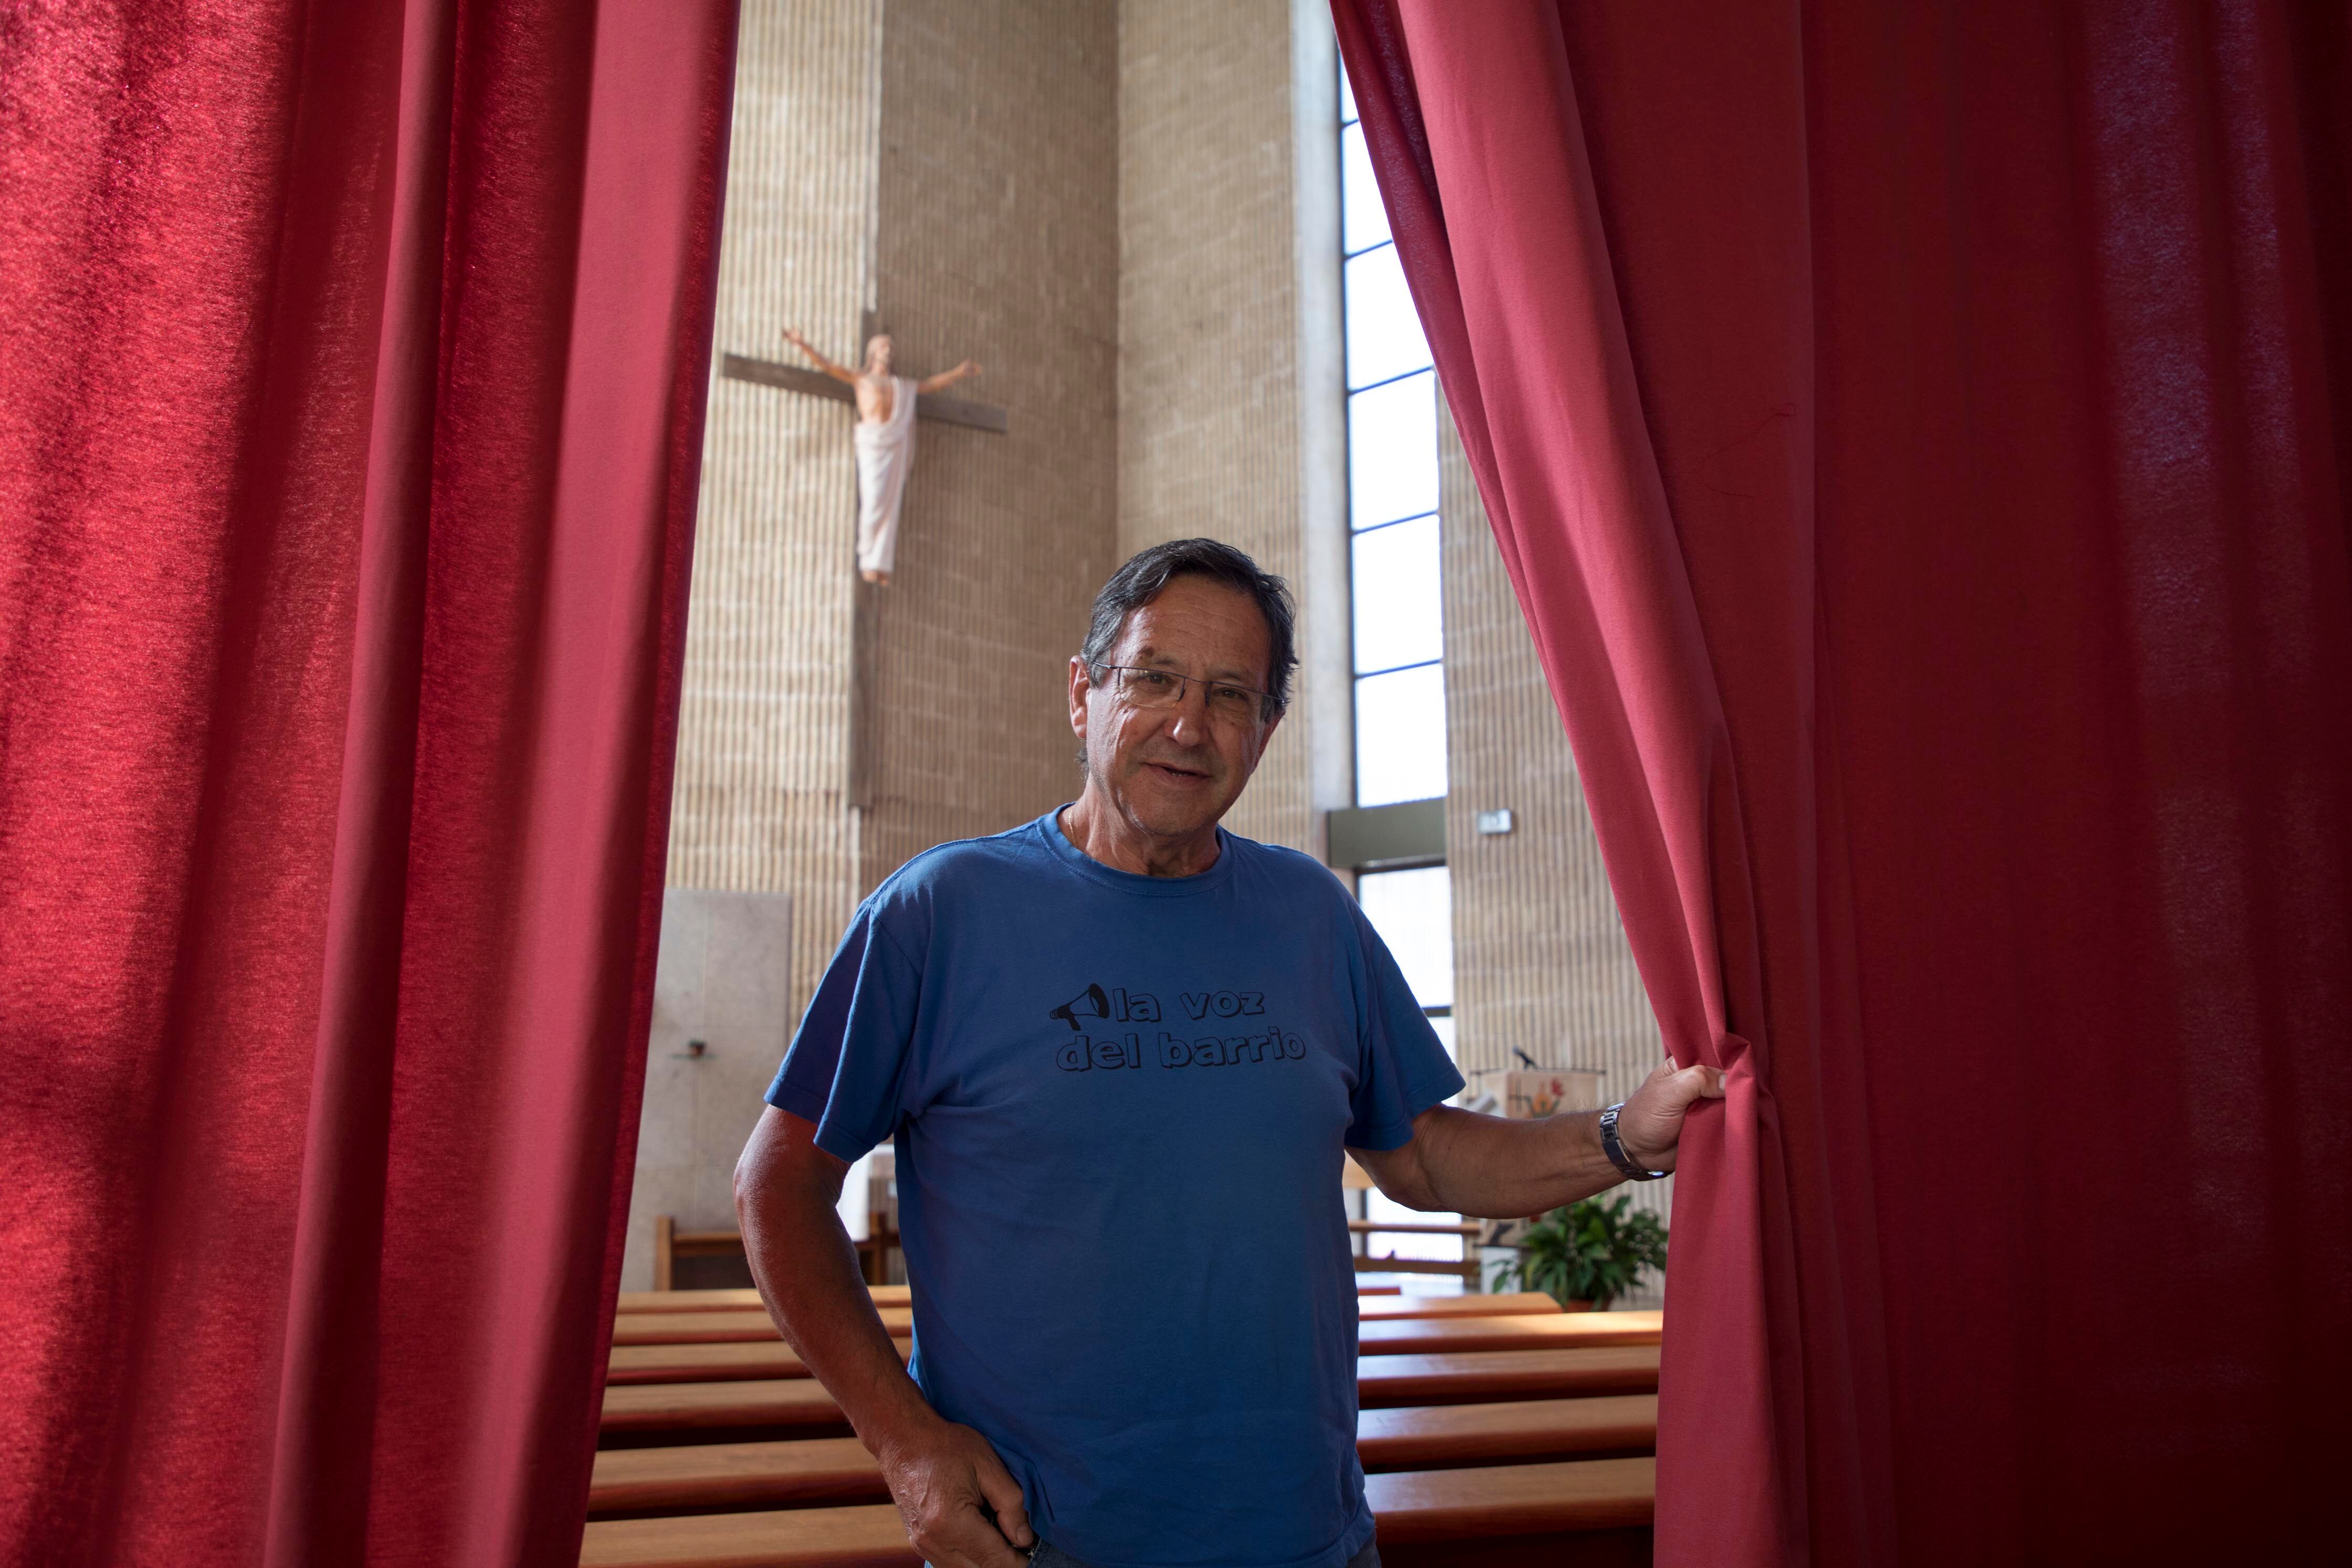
[(847, 1068), (1404, 1069)]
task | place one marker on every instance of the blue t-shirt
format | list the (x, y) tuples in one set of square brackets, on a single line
[(1118, 1103)]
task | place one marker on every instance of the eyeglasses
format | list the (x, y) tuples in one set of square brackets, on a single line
[(1142, 688)]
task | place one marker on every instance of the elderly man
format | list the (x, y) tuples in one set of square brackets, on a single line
[(1120, 1050)]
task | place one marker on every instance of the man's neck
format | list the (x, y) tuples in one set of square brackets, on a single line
[(1102, 834)]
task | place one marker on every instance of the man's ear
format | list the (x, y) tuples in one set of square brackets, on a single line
[(1081, 687)]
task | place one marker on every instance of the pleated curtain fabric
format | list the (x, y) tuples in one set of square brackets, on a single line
[(352, 362), (1918, 435)]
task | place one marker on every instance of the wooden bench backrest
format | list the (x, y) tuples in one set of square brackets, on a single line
[(814, 1471), (1382, 1381), (1467, 1306), (1388, 1380), (1410, 1507), (1416, 1506), (734, 1301), (734, 1317), (693, 1360), (749, 1301), (712, 1328), (1532, 1330)]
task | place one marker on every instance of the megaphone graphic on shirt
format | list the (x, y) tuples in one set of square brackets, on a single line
[(1090, 1003)]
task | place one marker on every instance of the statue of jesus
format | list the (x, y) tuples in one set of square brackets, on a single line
[(885, 438)]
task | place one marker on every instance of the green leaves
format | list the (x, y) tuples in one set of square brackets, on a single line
[(1591, 1250)]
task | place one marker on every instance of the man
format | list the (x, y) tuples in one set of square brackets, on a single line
[(1120, 1050), (884, 442)]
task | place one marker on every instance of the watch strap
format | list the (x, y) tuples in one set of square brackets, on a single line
[(1616, 1150)]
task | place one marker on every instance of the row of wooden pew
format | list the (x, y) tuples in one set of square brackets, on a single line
[(1496, 1429)]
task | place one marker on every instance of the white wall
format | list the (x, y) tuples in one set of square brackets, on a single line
[(723, 979)]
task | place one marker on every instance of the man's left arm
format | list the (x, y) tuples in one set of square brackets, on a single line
[(1493, 1167)]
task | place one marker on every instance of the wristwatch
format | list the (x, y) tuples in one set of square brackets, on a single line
[(1616, 1151)]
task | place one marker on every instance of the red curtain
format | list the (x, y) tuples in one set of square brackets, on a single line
[(1917, 435), (352, 359)]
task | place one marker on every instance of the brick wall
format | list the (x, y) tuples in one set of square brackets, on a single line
[(948, 169), (1208, 318), (997, 241)]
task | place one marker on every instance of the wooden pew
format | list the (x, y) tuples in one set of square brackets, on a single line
[(734, 1301), (1467, 1266), (1438, 1437), (749, 1301), (633, 1364), (871, 1536), (700, 1301), (813, 1472), (670, 1243), (717, 1325), (1465, 1306), (1543, 1508), (685, 1407), (1532, 1331), (802, 1473), (716, 1328), (1382, 1381), (702, 1361), (1412, 1506)]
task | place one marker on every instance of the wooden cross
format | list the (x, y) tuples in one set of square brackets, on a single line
[(863, 629), (816, 383)]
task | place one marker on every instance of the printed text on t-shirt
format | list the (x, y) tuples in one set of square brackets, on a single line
[(1120, 1005), (1087, 1054)]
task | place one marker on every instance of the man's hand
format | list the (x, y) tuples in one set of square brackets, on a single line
[(1650, 1124), (940, 1477)]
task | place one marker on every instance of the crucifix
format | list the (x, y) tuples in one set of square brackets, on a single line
[(887, 406)]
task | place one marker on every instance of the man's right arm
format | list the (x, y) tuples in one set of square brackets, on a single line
[(938, 1473)]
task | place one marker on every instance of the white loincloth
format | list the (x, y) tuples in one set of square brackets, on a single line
[(885, 453)]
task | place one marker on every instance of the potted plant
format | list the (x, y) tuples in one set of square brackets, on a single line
[(1587, 1255)]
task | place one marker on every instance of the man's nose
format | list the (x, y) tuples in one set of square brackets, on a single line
[(1191, 715)]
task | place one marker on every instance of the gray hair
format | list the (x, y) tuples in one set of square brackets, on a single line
[(1141, 580)]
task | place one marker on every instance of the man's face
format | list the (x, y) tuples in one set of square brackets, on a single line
[(1173, 772), (878, 354)]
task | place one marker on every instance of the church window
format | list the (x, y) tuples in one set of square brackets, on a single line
[(1395, 576), (1396, 572)]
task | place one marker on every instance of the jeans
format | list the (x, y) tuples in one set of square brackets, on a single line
[(1048, 1555)]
